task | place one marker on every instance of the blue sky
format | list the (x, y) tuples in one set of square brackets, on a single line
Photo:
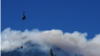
[(68, 16)]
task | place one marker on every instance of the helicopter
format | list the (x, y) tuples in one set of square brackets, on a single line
[(23, 16)]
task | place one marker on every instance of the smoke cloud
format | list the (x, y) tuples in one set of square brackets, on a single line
[(75, 42)]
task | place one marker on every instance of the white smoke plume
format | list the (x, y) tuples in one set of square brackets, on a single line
[(75, 42)]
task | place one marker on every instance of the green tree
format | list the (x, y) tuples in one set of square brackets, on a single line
[(51, 53)]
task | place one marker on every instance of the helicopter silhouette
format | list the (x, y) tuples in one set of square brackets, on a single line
[(23, 18)]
